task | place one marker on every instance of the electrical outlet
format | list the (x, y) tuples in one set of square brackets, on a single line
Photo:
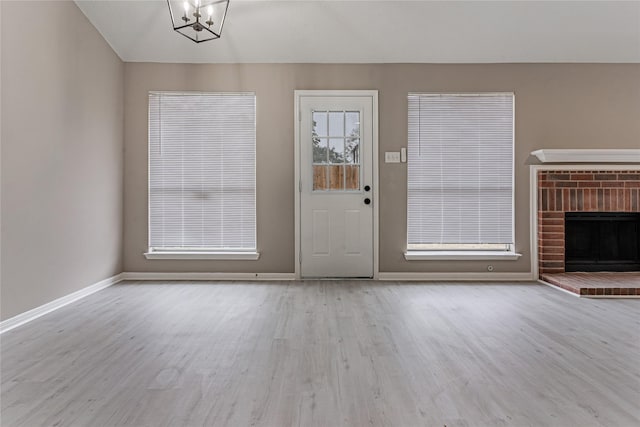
[(392, 157)]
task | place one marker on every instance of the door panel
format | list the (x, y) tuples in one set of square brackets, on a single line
[(336, 163), (321, 232), (352, 232)]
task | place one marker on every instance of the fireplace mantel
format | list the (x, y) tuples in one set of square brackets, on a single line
[(588, 155)]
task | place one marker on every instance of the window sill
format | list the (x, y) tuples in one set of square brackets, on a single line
[(224, 256), (461, 255)]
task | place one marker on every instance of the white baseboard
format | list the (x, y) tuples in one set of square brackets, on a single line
[(291, 276), (208, 276), (455, 277), (28, 316)]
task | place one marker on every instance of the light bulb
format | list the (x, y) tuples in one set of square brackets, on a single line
[(210, 11), (186, 7)]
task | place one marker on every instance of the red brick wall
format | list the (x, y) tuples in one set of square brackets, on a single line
[(578, 191)]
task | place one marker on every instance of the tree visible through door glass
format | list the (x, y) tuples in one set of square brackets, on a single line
[(335, 136)]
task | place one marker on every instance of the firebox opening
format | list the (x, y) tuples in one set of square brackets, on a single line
[(602, 241)]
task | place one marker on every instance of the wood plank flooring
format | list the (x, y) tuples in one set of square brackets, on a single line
[(597, 284), (326, 353)]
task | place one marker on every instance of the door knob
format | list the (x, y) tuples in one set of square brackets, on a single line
[(367, 201), (367, 188)]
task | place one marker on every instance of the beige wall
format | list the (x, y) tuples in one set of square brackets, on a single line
[(62, 154), (557, 106)]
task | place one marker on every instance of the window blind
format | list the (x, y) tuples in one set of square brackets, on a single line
[(460, 170), (202, 186)]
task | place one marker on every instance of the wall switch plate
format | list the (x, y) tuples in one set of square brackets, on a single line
[(403, 155), (392, 157)]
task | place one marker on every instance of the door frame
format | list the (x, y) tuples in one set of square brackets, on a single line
[(298, 94)]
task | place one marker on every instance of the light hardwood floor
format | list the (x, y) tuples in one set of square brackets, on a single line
[(326, 353)]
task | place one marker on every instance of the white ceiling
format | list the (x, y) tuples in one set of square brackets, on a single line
[(380, 31)]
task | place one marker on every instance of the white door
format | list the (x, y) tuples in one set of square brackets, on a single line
[(336, 180)]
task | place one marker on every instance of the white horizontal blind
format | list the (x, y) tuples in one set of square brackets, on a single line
[(460, 170), (202, 185)]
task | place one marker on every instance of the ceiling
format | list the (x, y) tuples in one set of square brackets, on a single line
[(270, 31)]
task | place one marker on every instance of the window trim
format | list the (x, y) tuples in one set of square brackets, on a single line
[(211, 255), (466, 254), (508, 254)]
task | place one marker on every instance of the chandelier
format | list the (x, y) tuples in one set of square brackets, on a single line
[(198, 20)]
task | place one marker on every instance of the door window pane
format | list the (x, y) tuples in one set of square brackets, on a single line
[(336, 123), (320, 150), (352, 151), (336, 150), (352, 177), (336, 177), (320, 123), (320, 180), (352, 123)]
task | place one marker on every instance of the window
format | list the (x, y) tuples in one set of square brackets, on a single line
[(336, 150), (202, 185), (460, 174)]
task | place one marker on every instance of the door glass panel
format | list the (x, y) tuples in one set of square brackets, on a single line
[(336, 177), (320, 179), (352, 123), (336, 141), (319, 150), (352, 177), (336, 150), (336, 123), (352, 151), (320, 123)]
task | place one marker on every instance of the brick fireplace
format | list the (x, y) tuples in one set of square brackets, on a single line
[(561, 191)]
